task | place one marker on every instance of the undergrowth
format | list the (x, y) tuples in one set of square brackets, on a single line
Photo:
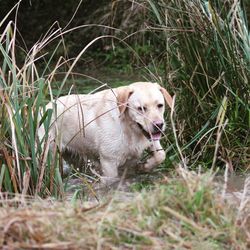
[(206, 48), (183, 212)]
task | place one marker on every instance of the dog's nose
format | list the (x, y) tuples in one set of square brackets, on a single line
[(158, 125)]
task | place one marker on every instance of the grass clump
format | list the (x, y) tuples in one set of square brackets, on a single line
[(184, 212), (27, 167)]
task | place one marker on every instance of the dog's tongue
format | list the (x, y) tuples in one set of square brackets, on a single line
[(156, 136)]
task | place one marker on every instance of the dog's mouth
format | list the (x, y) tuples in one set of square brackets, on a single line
[(152, 136)]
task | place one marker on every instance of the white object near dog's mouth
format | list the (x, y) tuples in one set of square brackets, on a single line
[(152, 136)]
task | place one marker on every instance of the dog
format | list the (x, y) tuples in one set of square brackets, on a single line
[(113, 126)]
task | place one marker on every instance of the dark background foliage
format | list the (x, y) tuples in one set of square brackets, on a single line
[(35, 17)]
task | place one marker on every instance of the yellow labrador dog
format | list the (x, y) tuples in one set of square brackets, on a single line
[(114, 126)]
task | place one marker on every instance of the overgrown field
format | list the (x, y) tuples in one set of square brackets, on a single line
[(198, 50)]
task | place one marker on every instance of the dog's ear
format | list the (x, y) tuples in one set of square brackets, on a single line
[(168, 98), (123, 93)]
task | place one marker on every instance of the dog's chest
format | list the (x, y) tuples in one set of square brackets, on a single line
[(134, 149)]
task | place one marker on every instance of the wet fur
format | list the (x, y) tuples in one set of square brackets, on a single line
[(104, 126)]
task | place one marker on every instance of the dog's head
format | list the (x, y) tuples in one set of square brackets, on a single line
[(144, 104)]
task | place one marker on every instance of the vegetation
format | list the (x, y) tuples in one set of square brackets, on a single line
[(207, 66), (26, 167), (183, 212), (200, 51)]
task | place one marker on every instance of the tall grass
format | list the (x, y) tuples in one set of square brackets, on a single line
[(206, 57), (26, 167)]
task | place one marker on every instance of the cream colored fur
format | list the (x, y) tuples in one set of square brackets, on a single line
[(105, 125)]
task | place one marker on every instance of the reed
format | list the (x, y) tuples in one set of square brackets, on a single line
[(206, 58), (27, 167)]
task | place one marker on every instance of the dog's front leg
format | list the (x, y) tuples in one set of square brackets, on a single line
[(158, 156), (109, 170)]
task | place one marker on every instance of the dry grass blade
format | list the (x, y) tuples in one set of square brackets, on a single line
[(183, 218), (13, 177)]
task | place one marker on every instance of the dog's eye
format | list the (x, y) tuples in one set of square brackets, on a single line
[(140, 108), (160, 105)]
